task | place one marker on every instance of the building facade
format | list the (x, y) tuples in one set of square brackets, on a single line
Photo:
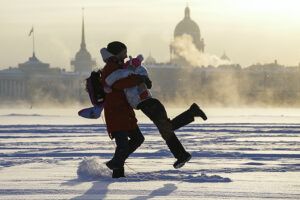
[(36, 82)]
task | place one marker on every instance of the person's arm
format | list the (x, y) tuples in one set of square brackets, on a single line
[(117, 75), (121, 84), (128, 82), (141, 70)]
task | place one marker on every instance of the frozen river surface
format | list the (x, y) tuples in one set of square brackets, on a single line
[(234, 157)]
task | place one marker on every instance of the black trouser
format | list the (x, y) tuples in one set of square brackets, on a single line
[(124, 146), (156, 111)]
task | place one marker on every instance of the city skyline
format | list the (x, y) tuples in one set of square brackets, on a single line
[(249, 33)]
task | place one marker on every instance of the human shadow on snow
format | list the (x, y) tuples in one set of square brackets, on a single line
[(163, 191), (101, 184), (100, 189)]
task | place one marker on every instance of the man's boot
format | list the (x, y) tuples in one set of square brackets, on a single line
[(118, 173), (182, 160), (196, 111), (112, 164), (187, 117), (178, 151)]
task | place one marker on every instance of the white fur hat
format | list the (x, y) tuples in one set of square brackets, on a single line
[(105, 54)]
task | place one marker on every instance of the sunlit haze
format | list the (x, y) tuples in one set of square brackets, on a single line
[(249, 31)]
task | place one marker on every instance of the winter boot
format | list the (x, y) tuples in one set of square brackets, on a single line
[(113, 165), (196, 111), (118, 173), (187, 117), (182, 160), (178, 151)]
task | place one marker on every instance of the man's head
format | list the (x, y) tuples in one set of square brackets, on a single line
[(118, 49)]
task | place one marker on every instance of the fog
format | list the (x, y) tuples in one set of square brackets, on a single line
[(250, 31), (185, 48), (222, 87)]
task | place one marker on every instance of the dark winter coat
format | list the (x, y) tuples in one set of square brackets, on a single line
[(119, 115)]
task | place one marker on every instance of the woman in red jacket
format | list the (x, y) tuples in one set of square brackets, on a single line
[(120, 118)]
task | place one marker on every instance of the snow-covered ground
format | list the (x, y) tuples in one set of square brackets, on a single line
[(237, 154)]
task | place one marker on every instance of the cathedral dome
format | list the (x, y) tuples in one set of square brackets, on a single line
[(187, 26)]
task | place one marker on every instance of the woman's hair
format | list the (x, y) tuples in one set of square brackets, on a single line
[(116, 47)]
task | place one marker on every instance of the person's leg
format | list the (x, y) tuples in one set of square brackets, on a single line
[(155, 110), (187, 116), (124, 148), (121, 152), (136, 139)]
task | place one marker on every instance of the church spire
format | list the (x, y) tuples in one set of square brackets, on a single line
[(187, 11), (33, 46), (83, 46), (224, 56)]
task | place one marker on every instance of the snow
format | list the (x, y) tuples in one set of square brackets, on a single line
[(237, 154), (91, 168)]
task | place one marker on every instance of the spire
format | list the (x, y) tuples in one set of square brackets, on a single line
[(187, 11), (83, 46), (33, 49), (224, 56)]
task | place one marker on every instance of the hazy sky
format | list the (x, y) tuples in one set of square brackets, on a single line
[(250, 31)]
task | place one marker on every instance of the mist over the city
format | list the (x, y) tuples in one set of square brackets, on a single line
[(226, 54)]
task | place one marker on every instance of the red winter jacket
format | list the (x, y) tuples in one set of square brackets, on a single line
[(119, 115)]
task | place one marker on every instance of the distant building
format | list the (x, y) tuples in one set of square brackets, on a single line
[(225, 57), (189, 27), (12, 83), (34, 65), (83, 61), (36, 81), (150, 60), (271, 83)]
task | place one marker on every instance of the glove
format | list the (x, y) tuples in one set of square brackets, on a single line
[(148, 83), (141, 78)]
